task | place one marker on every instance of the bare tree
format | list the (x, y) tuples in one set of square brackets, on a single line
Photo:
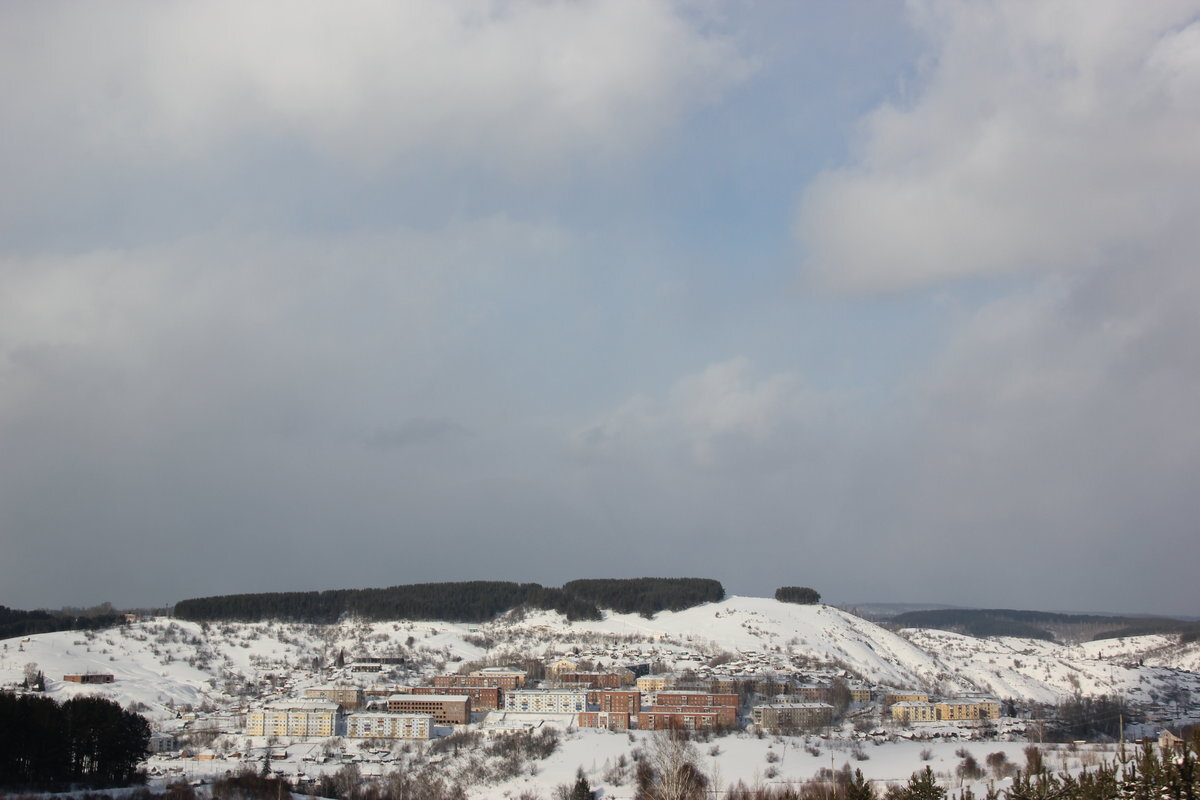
[(676, 776)]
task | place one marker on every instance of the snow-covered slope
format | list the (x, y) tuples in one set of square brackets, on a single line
[(162, 664)]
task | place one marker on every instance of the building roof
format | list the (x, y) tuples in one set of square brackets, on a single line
[(431, 698)]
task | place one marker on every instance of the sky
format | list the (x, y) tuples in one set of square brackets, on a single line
[(896, 301)]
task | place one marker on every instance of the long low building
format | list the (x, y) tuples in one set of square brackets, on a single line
[(953, 710), (696, 699), (385, 725)]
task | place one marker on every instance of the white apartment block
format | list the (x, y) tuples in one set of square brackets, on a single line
[(552, 701), (382, 725), (300, 718)]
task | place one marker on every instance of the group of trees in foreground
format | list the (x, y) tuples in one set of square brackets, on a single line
[(88, 740), (470, 601)]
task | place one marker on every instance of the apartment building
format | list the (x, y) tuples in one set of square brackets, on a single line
[(683, 698), (546, 701), (813, 693), (597, 680), (654, 683), (446, 709), (905, 697), (344, 696), (628, 701), (504, 677), (792, 716), (967, 709), (483, 698), (381, 725), (914, 711), (660, 718), (301, 718)]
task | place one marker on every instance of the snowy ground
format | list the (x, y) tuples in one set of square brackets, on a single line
[(725, 760), (162, 667)]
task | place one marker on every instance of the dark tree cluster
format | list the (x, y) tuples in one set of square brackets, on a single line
[(646, 596), (89, 740), (470, 601), (1086, 717), (14, 622), (798, 594)]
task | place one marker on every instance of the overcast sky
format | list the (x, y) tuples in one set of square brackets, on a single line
[(900, 302)]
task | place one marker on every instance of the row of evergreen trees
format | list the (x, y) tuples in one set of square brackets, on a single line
[(646, 596), (801, 595), (14, 622), (89, 740), (470, 601)]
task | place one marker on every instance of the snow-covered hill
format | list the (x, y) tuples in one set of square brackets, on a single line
[(162, 664)]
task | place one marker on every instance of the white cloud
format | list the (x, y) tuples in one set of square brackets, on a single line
[(1040, 136), (235, 329), (714, 416), (517, 84)]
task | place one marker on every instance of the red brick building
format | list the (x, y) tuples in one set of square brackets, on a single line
[(445, 708), (629, 701), (613, 720), (504, 680), (689, 717), (483, 698), (696, 699), (597, 680)]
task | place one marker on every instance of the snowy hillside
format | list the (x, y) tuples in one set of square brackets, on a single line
[(162, 664)]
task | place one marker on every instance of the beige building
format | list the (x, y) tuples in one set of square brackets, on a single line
[(967, 708), (344, 696), (556, 668), (905, 697), (381, 725), (504, 677), (655, 683), (914, 711), (301, 718)]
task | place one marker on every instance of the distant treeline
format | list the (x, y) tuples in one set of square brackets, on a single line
[(470, 601), (1042, 624), (14, 622), (646, 596)]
